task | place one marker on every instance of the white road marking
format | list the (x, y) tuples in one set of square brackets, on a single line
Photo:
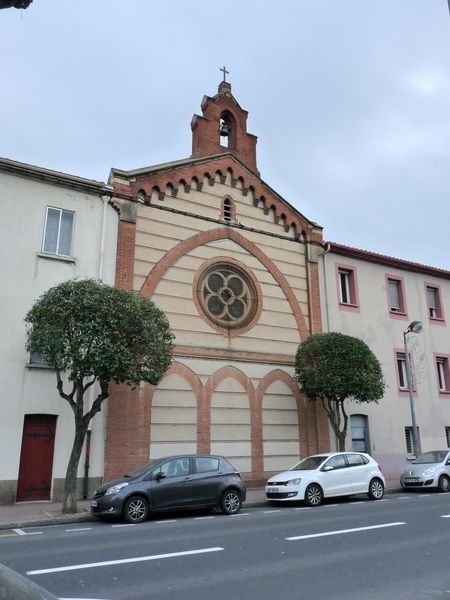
[(79, 529), (22, 532), (326, 533), (424, 495), (329, 505), (125, 525), (167, 521), (203, 518), (445, 516), (123, 561), (404, 498), (303, 508), (267, 512), (240, 515)]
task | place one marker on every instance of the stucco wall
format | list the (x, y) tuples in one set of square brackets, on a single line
[(26, 274), (383, 333)]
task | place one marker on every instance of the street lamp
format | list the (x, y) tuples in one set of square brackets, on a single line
[(413, 327)]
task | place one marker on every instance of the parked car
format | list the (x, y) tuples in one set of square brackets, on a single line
[(172, 483), (325, 475), (430, 470)]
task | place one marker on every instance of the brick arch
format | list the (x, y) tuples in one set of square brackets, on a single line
[(235, 373), (157, 273), (266, 381), (194, 381), (177, 368)]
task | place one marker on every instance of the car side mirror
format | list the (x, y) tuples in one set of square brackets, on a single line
[(447, 462), (328, 468), (159, 475)]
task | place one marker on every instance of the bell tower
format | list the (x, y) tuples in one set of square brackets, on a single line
[(223, 128)]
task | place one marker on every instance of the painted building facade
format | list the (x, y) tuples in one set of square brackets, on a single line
[(375, 298), (235, 268), (54, 227)]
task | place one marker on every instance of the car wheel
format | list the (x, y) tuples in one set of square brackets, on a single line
[(135, 509), (231, 502), (313, 495), (376, 489), (444, 483)]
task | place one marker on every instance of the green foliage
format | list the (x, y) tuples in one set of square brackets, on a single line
[(90, 329), (333, 366)]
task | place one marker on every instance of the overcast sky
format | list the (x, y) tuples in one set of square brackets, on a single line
[(350, 100)]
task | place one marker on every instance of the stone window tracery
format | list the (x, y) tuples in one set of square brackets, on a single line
[(227, 295)]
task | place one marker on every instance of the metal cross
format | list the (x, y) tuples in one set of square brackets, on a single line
[(225, 72)]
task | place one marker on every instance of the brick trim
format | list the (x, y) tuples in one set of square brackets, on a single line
[(171, 257)]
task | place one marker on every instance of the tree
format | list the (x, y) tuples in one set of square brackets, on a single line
[(90, 332), (332, 367)]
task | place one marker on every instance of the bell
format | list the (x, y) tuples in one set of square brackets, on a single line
[(224, 129)]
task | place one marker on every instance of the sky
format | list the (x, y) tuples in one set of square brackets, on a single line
[(350, 100)]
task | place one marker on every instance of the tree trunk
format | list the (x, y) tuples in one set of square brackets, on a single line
[(338, 419), (70, 485), (341, 440)]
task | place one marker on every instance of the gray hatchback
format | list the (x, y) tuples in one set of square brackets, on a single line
[(186, 481), (430, 470)]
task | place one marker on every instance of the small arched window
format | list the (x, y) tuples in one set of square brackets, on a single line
[(227, 210)]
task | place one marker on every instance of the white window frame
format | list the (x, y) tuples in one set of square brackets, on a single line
[(401, 371), (57, 251), (395, 303), (344, 286), (432, 298), (442, 368)]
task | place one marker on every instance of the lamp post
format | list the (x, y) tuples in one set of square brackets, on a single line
[(413, 327)]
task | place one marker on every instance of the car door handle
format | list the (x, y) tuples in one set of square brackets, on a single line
[(187, 479)]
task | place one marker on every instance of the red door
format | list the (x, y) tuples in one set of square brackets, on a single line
[(36, 457)]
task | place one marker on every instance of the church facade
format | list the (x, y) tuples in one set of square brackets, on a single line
[(235, 268)]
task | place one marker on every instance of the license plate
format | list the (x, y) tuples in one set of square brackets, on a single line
[(94, 503), (274, 490), (412, 479)]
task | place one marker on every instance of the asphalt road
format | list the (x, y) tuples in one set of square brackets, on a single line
[(354, 549)]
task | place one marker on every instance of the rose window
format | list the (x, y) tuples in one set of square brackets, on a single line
[(227, 296)]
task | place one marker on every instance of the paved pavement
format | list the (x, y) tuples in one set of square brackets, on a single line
[(40, 513)]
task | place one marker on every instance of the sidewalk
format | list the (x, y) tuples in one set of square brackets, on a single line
[(42, 513)]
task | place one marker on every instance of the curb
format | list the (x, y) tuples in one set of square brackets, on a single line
[(86, 517)]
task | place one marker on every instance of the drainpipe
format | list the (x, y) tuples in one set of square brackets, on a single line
[(326, 250), (106, 197), (308, 282), (105, 200)]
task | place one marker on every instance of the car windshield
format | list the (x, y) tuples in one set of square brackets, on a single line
[(435, 456), (143, 469), (310, 463)]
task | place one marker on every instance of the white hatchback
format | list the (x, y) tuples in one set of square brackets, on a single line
[(328, 474)]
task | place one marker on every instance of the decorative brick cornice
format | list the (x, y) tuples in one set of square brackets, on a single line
[(190, 174)]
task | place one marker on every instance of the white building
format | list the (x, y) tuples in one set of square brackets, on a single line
[(375, 298), (54, 227)]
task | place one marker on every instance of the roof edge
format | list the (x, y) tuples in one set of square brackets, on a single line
[(16, 168), (383, 259)]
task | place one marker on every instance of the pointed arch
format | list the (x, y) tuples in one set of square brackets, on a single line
[(292, 446), (243, 430), (157, 273), (189, 430)]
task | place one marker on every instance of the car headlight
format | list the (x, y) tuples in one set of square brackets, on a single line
[(115, 488), (429, 471), (293, 481)]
